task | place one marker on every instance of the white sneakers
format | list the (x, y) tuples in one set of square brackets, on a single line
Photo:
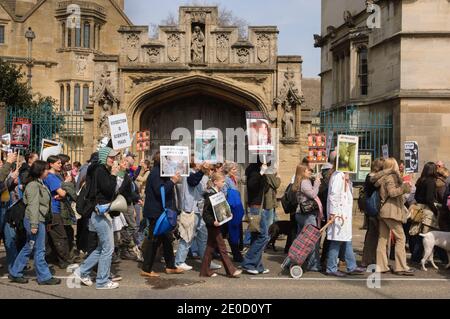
[(255, 272), (85, 280), (252, 271), (214, 266), (109, 285), (184, 266)]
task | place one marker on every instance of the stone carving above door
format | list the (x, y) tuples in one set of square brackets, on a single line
[(173, 49), (222, 47), (263, 48)]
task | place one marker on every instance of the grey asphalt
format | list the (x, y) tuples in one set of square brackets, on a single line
[(431, 284)]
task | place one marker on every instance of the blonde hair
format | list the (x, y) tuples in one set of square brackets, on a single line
[(228, 166), (300, 175), (391, 163)]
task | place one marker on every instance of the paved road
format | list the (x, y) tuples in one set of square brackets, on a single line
[(431, 284)]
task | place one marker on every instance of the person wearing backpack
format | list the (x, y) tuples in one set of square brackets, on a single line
[(38, 209), (103, 191), (392, 216), (371, 239)]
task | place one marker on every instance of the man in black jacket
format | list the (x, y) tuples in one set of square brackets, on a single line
[(153, 209)]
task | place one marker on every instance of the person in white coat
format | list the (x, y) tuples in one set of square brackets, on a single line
[(340, 207)]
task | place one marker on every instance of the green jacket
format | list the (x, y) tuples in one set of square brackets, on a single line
[(66, 213), (272, 183), (37, 198), (4, 171)]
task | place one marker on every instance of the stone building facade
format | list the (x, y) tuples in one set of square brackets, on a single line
[(391, 56), (197, 70)]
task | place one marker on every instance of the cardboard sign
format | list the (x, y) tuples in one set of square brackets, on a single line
[(259, 133), (411, 157), (205, 146), (6, 142), (174, 159), (21, 133), (143, 141), (120, 134), (347, 154), (364, 165), (317, 148), (49, 147), (221, 209), (385, 150)]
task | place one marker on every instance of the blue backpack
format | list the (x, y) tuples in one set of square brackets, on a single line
[(168, 219), (373, 204)]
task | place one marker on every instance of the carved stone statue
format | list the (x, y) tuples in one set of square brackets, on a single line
[(288, 121), (198, 43), (103, 123)]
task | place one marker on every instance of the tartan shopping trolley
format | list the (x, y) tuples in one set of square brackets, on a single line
[(302, 246)]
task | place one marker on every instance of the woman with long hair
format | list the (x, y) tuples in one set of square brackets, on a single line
[(392, 216), (425, 197), (307, 193), (37, 198)]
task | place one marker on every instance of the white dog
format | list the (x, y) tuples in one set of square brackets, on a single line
[(431, 239)]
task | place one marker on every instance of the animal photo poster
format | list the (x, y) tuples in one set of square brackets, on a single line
[(174, 159), (347, 150)]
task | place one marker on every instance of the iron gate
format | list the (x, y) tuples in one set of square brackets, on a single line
[(64, 127), (374, 128)]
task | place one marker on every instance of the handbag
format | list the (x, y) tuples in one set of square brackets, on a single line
[(168, 219), (309, 206), (254, 221)]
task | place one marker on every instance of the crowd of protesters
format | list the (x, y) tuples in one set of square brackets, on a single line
[(63, 225)]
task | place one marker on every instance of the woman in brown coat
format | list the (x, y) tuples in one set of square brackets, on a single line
[(392, 216)]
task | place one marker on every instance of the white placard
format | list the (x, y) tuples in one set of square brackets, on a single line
[(259, 133), (49, 148), (120, 134), (6, 142), (174, 159), (411, 157), (205, 146), (385, 151), (221, 209), (347, 154)]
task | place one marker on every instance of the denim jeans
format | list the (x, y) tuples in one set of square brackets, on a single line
[(313, 261), (9, 238), (139, 235), (36, 243), (200, 239), (253, 258), (103, 253), (270, 217), (333, 254)]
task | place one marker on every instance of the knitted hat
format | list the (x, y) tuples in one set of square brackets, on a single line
[(104, 153)]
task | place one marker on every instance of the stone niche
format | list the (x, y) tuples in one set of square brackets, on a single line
[(287, 106), (199, 41)]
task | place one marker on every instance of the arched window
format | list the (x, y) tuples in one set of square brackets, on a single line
[(85, 96), (63, 34), (61, 98), (76, 98), (363, 70), (68, 97), (86, 35), (78, 37)]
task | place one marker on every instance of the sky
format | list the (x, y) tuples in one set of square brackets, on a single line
[(297, 21)]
